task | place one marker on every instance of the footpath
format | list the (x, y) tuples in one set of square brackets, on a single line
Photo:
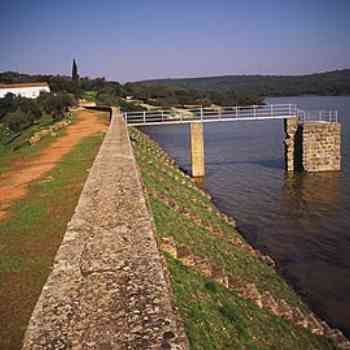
[(108, 288)]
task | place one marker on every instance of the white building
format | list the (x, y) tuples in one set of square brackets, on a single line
[(29, 90)]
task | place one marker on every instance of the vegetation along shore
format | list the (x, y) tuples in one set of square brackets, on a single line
[(228, 294)]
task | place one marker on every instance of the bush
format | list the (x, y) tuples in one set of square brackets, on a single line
[(19, 120), (29, 106), (58, 104), (8, 104)]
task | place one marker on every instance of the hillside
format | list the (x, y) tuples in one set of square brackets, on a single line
[(329, 83)]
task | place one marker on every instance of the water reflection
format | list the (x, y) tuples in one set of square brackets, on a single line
[(313, 192)]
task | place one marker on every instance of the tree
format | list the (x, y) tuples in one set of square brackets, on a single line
[(19, 120), (58, 104), (8, 104), (75, 79), (75, 74)]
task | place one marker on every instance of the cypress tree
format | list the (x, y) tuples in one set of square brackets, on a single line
[(75, 75)]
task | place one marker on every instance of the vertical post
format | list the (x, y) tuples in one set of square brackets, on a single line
[(236, 111), (271, 110), (144, 116), (162, 116), (254, 109), (201, 112), (197, 150)]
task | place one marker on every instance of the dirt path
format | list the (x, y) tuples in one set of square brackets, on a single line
[(14, 184)]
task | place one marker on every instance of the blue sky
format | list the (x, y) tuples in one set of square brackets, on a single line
[(133, 40)]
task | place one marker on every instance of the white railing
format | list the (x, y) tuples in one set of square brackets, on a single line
[(252, 112), (318, 116)]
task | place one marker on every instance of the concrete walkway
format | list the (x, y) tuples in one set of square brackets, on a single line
[(108, 288)]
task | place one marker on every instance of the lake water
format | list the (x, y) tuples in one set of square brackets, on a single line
[(302, 221)]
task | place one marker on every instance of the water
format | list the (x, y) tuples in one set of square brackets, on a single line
[(303, 221)]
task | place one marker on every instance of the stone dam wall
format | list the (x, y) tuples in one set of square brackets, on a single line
[(312, 146), (108, 288)]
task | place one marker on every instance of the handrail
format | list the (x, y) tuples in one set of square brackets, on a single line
[(226, 113)]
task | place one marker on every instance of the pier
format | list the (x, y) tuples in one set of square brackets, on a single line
[(312, 142)]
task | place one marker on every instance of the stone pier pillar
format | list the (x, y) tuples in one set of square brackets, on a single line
[(291, 130), (312, 146), (197, 150), (321, 146)]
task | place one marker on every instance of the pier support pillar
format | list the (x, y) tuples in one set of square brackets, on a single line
[(197, 150), (321, 146), (312, 146), (290, 143)]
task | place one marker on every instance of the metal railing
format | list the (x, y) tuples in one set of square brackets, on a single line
[(318, 116), (227, 113)]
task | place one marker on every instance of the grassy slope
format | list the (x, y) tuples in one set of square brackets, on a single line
[(215, 317), (30, 237)]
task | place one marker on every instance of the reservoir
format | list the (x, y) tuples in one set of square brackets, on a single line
[(301, 220)]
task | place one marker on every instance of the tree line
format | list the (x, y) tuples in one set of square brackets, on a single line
[(19, 113), (334, 83), (114, 93)]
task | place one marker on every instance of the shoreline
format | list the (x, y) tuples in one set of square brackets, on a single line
[(262, 298)]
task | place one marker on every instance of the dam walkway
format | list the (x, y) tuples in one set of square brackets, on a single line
[(108, 288), (227, 114)]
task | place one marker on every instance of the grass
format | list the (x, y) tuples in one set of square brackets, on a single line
[(215, 317), (89, 96), (31, 235)]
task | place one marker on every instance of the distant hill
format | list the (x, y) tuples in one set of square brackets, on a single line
[(329, 83)]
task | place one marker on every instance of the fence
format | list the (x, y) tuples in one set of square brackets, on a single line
[(318, 116), (252, 112), (231, 113)]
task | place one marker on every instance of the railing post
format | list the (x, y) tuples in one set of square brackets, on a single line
[(144, 116), (126, 117), (290, 109), (201, 112), (236, 111), (162, 116), (271, 106), (254, 110)]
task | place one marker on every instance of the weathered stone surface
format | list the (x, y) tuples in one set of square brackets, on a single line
[(321, 146), (312, 146), (290, 128), (108, 289)]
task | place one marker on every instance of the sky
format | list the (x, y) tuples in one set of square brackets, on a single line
[(134, 40)]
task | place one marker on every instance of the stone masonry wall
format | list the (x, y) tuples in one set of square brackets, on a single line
[(312, 146), (290, 129), (321, 146), (108, 288)]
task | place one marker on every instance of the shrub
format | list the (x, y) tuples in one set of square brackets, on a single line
[(19, 120), (58, 104)]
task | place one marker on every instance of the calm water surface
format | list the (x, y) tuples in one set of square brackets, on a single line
[(303, 221)]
